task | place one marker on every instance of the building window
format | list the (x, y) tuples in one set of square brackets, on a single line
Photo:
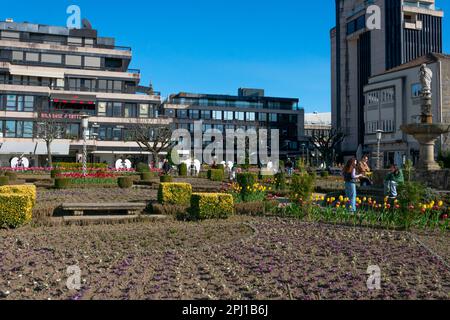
[(74, 41), (143, 110), (117, 110), (11, 102), (228, 115), (182, 114), (273, 117), (250, 116), (194, 114), (206, 115), (28, 104), (372, 98), (92, 62), (101, 109), (240, 116), (51, 58), (416, 90), (387, 95), (28, 129), (130, 110), (73, 60), (10, 129), (32, 57), (17, 56), (262, 117), (217, 115)]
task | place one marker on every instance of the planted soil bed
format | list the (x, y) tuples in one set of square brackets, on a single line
[(242, 258)]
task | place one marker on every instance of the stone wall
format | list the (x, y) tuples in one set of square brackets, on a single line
[(439, 180)]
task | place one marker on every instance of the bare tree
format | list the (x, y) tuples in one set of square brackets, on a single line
[(151, 137), (326, 142), (49, 128)]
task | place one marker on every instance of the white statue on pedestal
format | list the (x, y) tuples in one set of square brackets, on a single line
[(426, 77)]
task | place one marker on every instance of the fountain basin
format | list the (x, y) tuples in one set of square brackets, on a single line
[(432, 129)]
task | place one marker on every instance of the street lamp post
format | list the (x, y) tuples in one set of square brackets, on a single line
[(84, 125), (379, 137)]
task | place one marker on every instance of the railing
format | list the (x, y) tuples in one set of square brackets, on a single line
[(65, 43)]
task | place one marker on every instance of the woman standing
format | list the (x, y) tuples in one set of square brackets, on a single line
[(351, 178)]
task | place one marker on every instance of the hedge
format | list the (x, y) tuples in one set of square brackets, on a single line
[(125, 182), (211, 206), (142, 167), (4, 180), (11, 175), (28, 189), (183, 170), (62, 183), (175, 193), (15, 209), (146, 176), (54, 173), (215, 174), (79, 165), (166, 178)]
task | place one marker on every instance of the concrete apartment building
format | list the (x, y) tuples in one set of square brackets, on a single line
[(56, 72), (409, 30), (250, 109), (393, 99)]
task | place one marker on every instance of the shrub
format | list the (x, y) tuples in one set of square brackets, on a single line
[(221, 167), (246, 180), (324, 174), (54, 173), (28, 190), (142, 167), (175, 193), (211, 206), (302, 186), (250, 208), (79, 165), (125, 182), (216, 174), (183, 170), (62, 183), (166, 178), (16, 209), (4, 180), (280, 181), (146, 176), (411, 193), (177, 211), (11, 175)]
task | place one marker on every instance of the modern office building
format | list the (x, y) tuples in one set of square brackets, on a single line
[(60, 73), (393, 99), (250, 109), (409, 30)]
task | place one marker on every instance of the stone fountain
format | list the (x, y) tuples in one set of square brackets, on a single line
[(426, 132)]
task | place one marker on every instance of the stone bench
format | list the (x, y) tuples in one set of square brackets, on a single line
[(78, 209)]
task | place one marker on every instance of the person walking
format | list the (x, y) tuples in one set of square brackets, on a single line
[(393, 180), (364, 170), (166, 167), (289, 166), (351, 178)]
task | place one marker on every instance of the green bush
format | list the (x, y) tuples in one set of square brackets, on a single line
[(411, 193), (146, 176), (280, 181), (221, 167), (324, 174), (142, 167), (16, 209), (11, 175), (246, 180), (4, 180), (302, 186), (54, 173), (211, 206), (216, 174), (79, 165), (165, 178), (175, 194), (183, 170), (125, 182), (62, 183)]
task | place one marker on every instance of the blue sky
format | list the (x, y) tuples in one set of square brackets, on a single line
[(216, 46)]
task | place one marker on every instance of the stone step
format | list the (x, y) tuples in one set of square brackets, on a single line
[(105, 219)]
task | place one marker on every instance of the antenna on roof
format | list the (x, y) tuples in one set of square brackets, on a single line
[(86, 24)]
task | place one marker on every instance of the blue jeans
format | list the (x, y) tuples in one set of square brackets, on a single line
[(391, 189), (350, 192)]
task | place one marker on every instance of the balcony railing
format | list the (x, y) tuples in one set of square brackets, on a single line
[(65, 43)]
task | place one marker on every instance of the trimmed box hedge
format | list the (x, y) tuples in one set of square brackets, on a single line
[(4, 180), (62, 183), (166, 179), (28, 189), (125, 182), (211, 206), (11, 175), (216, 174), (175, 193), (183, 170), (55, 173), (16, 209), (147, 175)]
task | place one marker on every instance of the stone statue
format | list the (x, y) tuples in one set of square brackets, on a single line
[(426, 76)]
